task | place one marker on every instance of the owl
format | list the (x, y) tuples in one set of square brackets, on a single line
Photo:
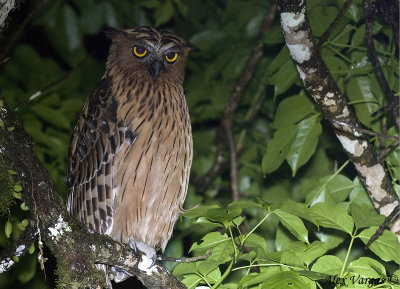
[(131, 148)]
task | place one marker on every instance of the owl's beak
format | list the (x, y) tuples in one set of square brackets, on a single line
[(155, 68)]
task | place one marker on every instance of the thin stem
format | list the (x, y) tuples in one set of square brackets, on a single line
[(328, 31), (347, 255), (362, 101), (339, 45), (233, 244), (340, 54), (262, 265), (258, 225), (204, 279), (333, 176), (226, 273)]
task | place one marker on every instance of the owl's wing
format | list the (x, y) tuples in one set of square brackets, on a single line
[(96, 139)]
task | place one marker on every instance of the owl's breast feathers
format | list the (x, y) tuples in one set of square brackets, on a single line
[(130, 158)]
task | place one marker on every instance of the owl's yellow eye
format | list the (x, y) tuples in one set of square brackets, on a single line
[(139, 51), (171, 57)]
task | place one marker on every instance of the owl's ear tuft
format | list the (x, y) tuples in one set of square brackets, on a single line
[(192, 48), (113, 33)]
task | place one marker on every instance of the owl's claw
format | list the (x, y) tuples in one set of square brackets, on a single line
[(147, 250)]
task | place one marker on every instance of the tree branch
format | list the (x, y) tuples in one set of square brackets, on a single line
[(76, 248), (16, 34), (320, 84), (328, 31), (393, 102), (227, 119)]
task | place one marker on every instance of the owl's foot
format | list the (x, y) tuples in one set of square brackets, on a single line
[(148, 251), (118, 274)]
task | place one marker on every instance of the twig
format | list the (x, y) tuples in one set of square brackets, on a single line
[(328, 31), (185, 259), (388, 12), (393, 102), (15, 35), (4, 60), (242, 82), (233, 165), (357, 129), (382, 226), (51, 85), (384, 152)]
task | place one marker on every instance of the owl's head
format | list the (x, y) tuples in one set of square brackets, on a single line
[(147, 52)]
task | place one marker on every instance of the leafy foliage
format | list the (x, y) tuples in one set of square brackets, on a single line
[(303, 217)]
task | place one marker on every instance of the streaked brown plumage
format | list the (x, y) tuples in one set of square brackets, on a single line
[(131, 149)]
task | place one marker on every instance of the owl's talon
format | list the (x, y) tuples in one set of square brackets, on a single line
[(147, 250), (154, 259)]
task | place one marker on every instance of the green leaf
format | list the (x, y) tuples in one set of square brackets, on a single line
[(277, 62), (26, 270), (332, 216), (359, 36), (386, 246), (290, 258), (298, 209), (222, 252), (257, 278), (285, 77), (163, 13), (185, 269), (283, 239), (294, 224), (223, 215), (71, 28), (32, 249), (304, 144), (339, 186), (362, 67), (328, 264), (210, 270), (191, 280), (291, 110), (285, 280), (17, 188), (51, 116), (331, 238), (199, 211), (255, 241), (206, 266), (209, 241), (150, 4), (8, 229), (367, 268), (320, 18), (313, 251), (278, 148), (360, 93), (248, 256), (365, 216), (312, 275), (274, 36)]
